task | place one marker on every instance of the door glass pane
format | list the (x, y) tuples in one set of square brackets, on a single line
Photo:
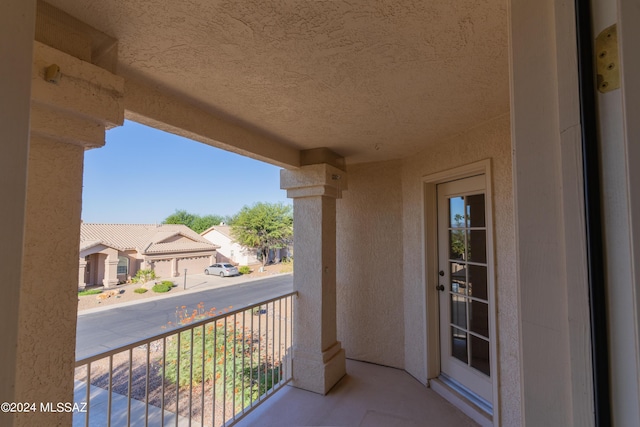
[(480, 355), (459, 344), (458, 275), (477, 246), (475, 211), (456, 244), (456, 212), (458, 310), (479, 318), (477, 285)]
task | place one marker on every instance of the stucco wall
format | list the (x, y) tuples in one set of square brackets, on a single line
[(370, 266), (17, 22), (241, 255), (177, 238), (490, 141)]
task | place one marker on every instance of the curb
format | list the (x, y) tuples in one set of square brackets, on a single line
[(170, 295)]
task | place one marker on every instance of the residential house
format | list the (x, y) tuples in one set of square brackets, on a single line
[(113, 253), (400, 126), (231, 251)]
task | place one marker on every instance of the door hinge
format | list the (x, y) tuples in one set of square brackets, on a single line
[(607, 62)]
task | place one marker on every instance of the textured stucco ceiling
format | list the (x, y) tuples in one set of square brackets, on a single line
[(371, 80)]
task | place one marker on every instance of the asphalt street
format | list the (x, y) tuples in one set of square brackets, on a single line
[(104, 330)]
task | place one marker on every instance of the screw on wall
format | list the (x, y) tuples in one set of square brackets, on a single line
[(52, 74)]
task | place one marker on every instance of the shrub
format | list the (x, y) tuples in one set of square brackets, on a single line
[(140, 290), (143, 276), (231, 360), (244, 269), (162, 287), (89, 292), (259, 309)]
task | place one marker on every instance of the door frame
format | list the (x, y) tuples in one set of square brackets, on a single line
[(430, 251)]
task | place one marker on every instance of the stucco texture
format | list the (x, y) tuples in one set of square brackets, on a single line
[(350, 75), (48, 299), (489, 141), (370, 266)]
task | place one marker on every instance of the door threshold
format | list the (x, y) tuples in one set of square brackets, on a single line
[(471, 405)]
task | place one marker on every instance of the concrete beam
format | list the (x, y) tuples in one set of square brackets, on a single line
[(321, 155), (162, 110)]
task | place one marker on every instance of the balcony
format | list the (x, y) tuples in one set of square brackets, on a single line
[(238, 375)]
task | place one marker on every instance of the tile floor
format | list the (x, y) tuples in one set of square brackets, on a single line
[(369, 396)]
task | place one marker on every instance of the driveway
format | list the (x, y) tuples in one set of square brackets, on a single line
[(201, 280)]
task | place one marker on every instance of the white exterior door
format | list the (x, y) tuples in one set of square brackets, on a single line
[(464, 286)]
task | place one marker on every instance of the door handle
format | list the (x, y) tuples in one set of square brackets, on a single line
[(440, 288)]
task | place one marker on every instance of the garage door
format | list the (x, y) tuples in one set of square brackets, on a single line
[(193, 265), (162, 268)]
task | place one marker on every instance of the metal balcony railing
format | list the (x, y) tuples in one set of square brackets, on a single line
[(210, 368)]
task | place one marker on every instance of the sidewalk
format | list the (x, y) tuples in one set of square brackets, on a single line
[(195, 283), (98, 413)]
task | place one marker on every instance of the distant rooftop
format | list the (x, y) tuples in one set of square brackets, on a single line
[(146, 238)]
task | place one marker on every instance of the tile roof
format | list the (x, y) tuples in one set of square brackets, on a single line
[(86, 244), (145, 238), (224, 229)]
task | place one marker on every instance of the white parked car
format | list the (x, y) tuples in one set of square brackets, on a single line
[(221, 269)]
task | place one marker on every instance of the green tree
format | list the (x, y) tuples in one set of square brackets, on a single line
[(202, 223), (195, 222), (180, 217), (457, 237), (263, 226)]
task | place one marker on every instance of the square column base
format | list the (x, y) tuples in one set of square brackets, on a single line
[(319, 373), (110, 283)]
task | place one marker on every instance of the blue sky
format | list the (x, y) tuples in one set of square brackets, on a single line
[(142, 175)]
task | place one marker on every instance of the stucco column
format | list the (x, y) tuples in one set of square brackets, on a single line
[(69, 112), (174, 267), (110, 269), (318, 357), (82, 274)]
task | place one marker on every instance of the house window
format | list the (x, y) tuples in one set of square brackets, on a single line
[(123, 265)]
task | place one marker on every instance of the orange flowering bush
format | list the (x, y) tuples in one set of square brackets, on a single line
[(222, 353)]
